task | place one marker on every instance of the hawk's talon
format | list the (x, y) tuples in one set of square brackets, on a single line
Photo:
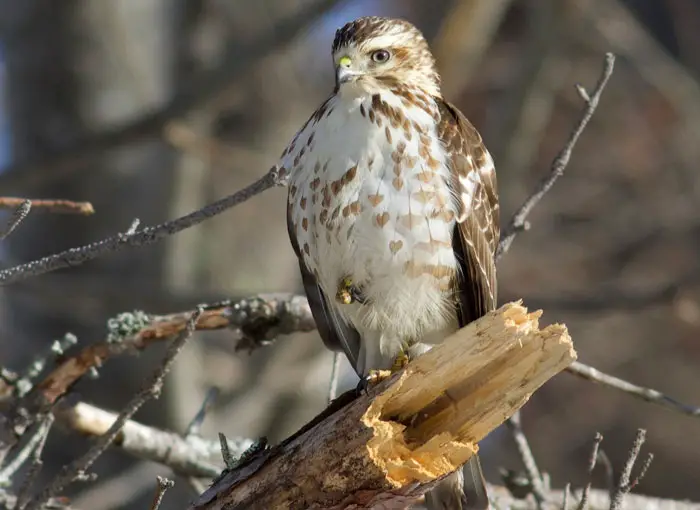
[(362, 386), (347, 292), (373, 378)]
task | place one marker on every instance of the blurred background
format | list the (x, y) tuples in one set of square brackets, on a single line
[(152, 108)]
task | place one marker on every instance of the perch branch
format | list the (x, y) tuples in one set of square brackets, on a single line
[(49, 205), (396, 441)]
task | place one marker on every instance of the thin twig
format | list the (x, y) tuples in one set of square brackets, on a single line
[(519, 221), (120, 490), (144, 237), (592, 461), (57, 348), (151, 390), (35, 442), (623, 485), (163, 485), (226, 455), (195, 426), (49, 205), (21, 211), (533, 473), (567, 493), (335, 373), (647, 394), (37, 463)]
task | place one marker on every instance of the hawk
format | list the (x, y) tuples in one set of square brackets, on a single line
[(393, 211)]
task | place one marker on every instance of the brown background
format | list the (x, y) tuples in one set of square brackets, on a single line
[(613, 249)]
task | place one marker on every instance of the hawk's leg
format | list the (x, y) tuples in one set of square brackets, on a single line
[(348, 293), (377, 376)]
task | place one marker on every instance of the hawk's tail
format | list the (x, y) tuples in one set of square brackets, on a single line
[(465, 489)]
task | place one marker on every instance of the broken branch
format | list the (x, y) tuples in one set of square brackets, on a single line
[(410, 430)]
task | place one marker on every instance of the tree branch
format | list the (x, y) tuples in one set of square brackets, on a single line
[(519, 221), (50, 205), (187, 456), (647, 394), (144, 237), (256, 321), (151, 390)]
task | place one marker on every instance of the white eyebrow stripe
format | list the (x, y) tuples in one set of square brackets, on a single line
[(388, 40)]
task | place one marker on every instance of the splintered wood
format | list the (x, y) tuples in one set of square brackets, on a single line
[(390, 446)]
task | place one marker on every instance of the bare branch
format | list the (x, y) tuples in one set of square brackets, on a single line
[(647, 394), (195, 426), (151, 390), (583, 504), (17, 217), (519, 221), (50, 205), (533, 473), (163, 485), (624, 486), (565, 499), (34, 444), (257, 321), (144, 237), (188, 456), (598, 500), (37, 463)]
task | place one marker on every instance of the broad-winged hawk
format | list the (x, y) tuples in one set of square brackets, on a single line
[(393, 211)]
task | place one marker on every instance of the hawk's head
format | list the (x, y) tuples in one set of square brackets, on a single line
[(374, 53)]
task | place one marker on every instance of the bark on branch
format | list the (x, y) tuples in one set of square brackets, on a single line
[(394, 443)]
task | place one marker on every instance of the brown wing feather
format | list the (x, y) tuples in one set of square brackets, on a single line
[(477, 230), (474, 241), (336, 334)]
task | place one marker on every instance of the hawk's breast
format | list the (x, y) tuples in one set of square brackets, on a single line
[(370, 199)]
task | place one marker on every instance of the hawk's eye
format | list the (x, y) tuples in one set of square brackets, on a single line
[(381, 56)]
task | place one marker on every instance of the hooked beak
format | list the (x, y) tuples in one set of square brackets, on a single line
[(343, 72)]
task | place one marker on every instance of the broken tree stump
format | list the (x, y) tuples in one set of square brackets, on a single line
[(387, 448)]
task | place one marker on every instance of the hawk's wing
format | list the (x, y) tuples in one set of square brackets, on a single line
[(477, 229), (474, 241), (336, 333)]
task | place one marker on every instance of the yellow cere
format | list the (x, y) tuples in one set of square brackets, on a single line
[(345, 61)]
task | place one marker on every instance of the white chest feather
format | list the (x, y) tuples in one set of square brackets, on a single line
[(369, 200)]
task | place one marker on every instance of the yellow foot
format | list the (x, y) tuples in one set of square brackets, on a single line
[(347, 292), (344, 294), (400, 362), (377, 376)]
